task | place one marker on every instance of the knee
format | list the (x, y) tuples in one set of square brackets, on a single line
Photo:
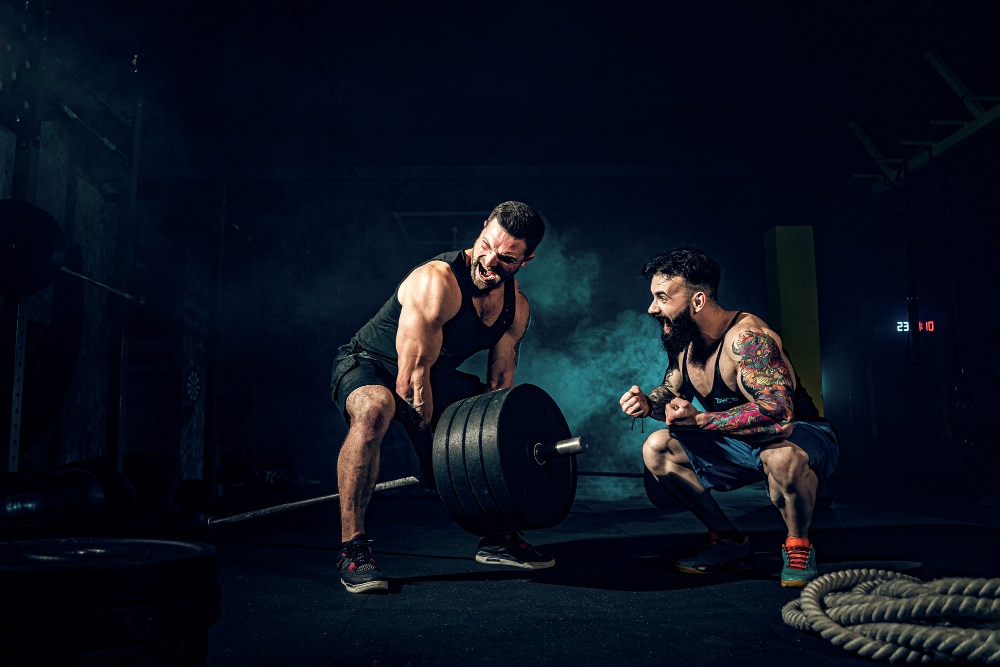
[(371, 410), (787, 465), (659, 450)]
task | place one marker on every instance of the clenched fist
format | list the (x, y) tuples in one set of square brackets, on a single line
[(634, 403)]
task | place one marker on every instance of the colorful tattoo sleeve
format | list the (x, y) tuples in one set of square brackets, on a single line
[(764, 374)]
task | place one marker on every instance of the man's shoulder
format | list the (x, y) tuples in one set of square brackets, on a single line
[(747, 322), (748, 325), (432, 279), (433, 269)]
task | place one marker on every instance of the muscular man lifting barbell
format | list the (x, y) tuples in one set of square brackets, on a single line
[(403, 364)]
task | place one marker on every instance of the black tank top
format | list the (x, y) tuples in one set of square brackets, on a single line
[(723, 398), (464, 335)]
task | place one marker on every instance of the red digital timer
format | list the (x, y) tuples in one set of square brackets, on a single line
[(924, 326)]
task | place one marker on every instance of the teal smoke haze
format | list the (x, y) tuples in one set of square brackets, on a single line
[(587, 359)]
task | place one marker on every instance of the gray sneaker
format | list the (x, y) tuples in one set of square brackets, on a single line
[(719, 556), (512, 550)]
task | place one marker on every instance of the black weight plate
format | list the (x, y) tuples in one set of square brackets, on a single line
[(450, 476), (190, 649), (484, 462), (63, 572), (95, 625), (496, 517), (533, 495), (32, 247)]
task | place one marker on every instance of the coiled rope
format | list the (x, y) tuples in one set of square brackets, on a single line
[(901, 619)]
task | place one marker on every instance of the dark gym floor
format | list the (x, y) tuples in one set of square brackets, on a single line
[(612, 597)]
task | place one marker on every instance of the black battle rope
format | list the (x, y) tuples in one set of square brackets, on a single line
[(898, 618)]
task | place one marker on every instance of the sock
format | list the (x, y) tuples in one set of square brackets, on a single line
[(791, 541)]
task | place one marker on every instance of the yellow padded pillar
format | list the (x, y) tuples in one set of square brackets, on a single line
[(793, 302)]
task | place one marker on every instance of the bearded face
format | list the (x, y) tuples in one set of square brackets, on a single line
[(496, 257), (677, 333)]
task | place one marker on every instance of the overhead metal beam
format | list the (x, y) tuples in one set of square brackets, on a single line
[(894, 169), (956, 84), (888, 172)]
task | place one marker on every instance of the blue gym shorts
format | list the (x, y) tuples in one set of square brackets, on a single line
[(725, 463)]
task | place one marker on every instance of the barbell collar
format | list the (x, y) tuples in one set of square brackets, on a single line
[(545, 452)]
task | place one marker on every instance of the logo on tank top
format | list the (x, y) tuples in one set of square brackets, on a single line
[(727, 400)]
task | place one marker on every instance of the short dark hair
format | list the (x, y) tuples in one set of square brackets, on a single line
[(693, 265), (521, 221)]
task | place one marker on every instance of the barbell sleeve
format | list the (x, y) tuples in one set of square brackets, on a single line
[(545, 452), (381, 486)]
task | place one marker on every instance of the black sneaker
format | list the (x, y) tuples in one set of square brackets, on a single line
[(511, 549), (358, 571), (719, 555)]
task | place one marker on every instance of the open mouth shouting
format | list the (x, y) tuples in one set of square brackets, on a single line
[(484, 277)]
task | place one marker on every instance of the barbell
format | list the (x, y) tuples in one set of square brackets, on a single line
[(33, 252), (502, 461)]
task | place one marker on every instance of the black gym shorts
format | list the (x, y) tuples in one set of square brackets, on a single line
[(354, 368)]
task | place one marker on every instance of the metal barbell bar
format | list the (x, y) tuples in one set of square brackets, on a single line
[(117, 292), (254, 514), (33, 251), (543, 453)]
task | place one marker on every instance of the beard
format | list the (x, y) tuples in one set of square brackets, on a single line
[(485, 283), (682, 332)]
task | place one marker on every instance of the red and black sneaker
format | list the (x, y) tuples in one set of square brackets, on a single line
[(358, 571)]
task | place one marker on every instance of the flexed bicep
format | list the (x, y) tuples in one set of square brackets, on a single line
[(765, 375), (428, 297)]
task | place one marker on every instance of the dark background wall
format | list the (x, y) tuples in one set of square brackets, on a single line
[(269, 170)]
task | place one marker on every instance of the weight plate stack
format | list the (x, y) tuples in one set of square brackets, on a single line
[(484, 462), (102, 601)]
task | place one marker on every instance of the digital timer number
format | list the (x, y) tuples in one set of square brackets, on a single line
[(924, 326)]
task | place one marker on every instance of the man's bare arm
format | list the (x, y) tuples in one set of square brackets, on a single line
[(662, 395), (429, 297), (504, 356), (767, 380)]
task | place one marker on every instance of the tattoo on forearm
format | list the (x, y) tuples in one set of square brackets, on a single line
[(659, 397), (768, 379)]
